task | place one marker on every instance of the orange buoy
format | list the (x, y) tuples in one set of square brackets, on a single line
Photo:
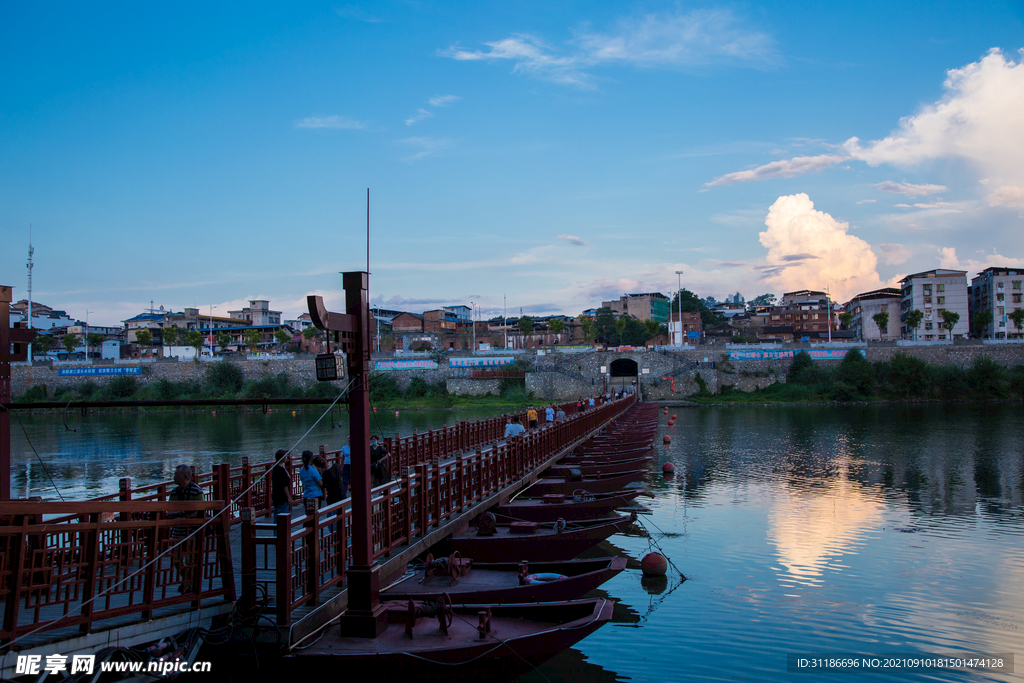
[(654, 564), (293, 413), (668, 468), (666, 439)]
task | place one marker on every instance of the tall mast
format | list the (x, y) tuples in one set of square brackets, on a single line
[(31, 251)]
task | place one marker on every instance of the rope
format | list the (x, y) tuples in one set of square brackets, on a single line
[(41, 463)]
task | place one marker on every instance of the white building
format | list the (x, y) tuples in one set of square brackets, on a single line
[(866, 306), (997, 290), (933, 292), (258, 313)]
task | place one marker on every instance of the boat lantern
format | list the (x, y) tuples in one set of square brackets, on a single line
[(654, 564), (668, 468), (666, 439)]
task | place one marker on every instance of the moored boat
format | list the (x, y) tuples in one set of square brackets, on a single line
[(537, 542), (598, 466), (594, 483), (507, 582), (577, 506)]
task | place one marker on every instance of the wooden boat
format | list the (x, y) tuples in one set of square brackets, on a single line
[(538, 542), (598, 466), (423, 641), (557, 506), (594, 483), (508, 582)]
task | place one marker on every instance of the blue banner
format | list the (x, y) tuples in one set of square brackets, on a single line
[(93, 372), (773, 354), (411, 364), (483, 362)]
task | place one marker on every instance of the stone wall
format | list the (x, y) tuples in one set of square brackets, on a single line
[(473, 387)]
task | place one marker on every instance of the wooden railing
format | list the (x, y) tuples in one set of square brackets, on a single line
[(77, 566), (296, 559)]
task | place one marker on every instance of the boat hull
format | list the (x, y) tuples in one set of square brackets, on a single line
[(546, 545), (593, 484), (536, 510)]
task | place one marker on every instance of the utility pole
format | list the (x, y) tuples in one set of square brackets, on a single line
[(504, 317), (472, 320), (679, 296), (30, 266), (211, 329)]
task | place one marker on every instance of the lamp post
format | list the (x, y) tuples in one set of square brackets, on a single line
[(211, 329), (85, 336), (504, 318), (679, 296), (472, 321)]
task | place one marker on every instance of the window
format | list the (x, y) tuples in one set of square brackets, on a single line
[(941, 288), (1001, 285), (941, 299), (1000, 296), (927, 299), (1016, 298), (1016, 284), (1002, 310), (928, 326), (942, 336), (927, 289)]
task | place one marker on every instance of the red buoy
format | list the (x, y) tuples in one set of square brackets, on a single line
[(668, 468), (671, 422), (666, 410), (654, 564), (666, 439), (673, 416)]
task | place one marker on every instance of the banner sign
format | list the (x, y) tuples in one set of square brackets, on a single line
[(693, 334), (93, 372), (772, 354), (411, 364), (496, 361)]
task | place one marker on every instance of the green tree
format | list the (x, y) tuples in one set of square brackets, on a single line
[(604, 323), (172, 335), (253, 338), (309, 333), (526, 325), (70, 341), (763, 300), (802, 370), (41, 344), (687, 301), (981, 321), (557, 325), (282, 338), (620, 327), (651, 327), (845, 319), (882, 321), (949, 321), (195, 339), (857, 372), (587, 327), (906, 375), (1017, 317), (222, 339), (914, 318), (93, 339), (144, 337)]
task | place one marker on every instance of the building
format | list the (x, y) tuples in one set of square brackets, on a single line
[(866, 306), (998, 291), (440, 320), (43, 317), (803, 314), (933, 292), (407, 323), (463, 314), (682, 324), (649, 306), (258, 314)]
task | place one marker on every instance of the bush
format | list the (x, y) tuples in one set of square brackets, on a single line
[(987, 379), (35, 393), (856, 372), (223, 378), (122, 386), (272, 386), (802, 370), (841, 391), (949, 382), (383, 387), (87, 389), (1016, 381), (326, 390), (905, 376)]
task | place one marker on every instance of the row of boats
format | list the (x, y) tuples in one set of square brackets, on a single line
[(507, 594)]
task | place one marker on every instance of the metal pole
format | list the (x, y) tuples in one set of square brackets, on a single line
[(679, 295), (472, 321), (6, 296)]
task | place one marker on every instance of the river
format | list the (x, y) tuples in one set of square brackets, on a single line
[(801, 530)]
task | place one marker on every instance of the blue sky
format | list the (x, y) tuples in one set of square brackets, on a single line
[(556, 154)]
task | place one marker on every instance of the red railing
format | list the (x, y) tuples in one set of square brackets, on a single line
[(74, 566), (296, 559)]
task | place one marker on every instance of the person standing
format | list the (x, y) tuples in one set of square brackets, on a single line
[(380, 461), (311, 479), (531, 417), (330, 477), (281, 486), (560, 415), (346, 464), (513, 428), (184, 556), (549, 414), (591, 404)]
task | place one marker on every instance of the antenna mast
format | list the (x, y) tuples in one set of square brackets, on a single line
[(30, 265)]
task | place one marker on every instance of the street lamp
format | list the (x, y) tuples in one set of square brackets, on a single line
[(85, 337), (679, 296), (472, 321), (211, 329)]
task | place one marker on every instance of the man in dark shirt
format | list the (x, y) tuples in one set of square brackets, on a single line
[(379, 462), (184, 556), (281, 486), (330, 476)]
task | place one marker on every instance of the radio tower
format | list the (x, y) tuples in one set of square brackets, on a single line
[(31, 251)]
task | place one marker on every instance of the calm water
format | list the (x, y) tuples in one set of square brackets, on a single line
[(801, 530)]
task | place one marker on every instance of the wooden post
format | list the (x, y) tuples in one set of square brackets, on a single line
[(91, 545), (283, 546), (312, 542), (246, 482), (424, 480), (407, 502), (152, 571), (248, 597)]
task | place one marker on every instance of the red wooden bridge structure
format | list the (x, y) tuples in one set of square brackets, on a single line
[(78, 576)]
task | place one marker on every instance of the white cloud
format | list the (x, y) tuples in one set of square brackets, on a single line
[(894, 254), (979, 119), (1007, 195), (573, 240), (780, 169), (810, 249), (428, 146), (867, 201), (343, 122), (667, 40), (541, 254), (443, 100), (949, 259), (909, 189), (418, 116)]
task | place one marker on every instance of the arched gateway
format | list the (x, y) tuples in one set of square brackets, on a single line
[(622, 373)]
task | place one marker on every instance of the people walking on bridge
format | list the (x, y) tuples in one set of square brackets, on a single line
[(281, 486), (346, 464), (549, 414), (184, 555), (560, 415), (311, 480), (513, 428), (531, 416), (380, 462)]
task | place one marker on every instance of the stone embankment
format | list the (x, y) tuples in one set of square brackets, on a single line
[(662, 374)]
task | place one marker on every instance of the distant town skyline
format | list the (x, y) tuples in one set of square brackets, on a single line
[(551, 156)]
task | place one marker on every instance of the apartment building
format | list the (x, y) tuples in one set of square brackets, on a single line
[(933, 292), (866, 306), (649, 306), (997, 290)]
